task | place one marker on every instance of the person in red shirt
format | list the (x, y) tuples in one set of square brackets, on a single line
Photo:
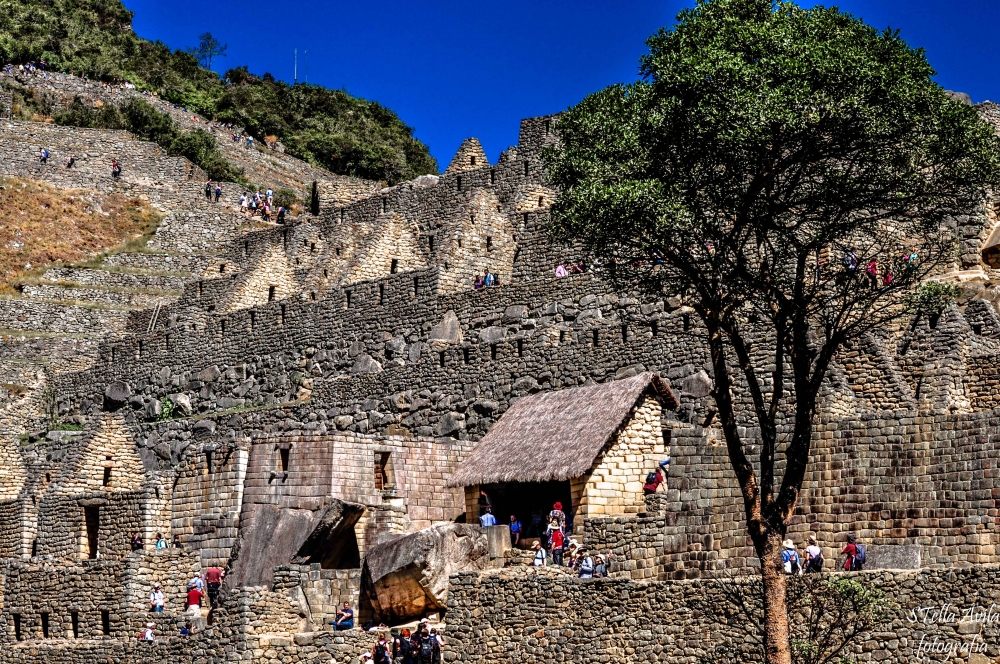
[(851, 551), (558, 540), (213, 579), (194, 600)]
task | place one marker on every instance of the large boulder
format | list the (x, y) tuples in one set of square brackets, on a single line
[(407, 578)]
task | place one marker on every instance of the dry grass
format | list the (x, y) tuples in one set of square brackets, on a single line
[(42, 226)]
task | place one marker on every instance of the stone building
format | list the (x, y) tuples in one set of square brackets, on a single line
[(587, 448), (294, 403)]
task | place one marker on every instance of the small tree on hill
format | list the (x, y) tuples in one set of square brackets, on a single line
[(208, 49), (770, 159)]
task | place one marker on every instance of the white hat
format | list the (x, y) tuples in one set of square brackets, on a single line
[(366, 655), (156, 585), (149, 624), (788, 544)]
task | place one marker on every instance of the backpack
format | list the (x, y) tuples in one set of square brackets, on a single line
[(859, 559), (426, 647), (587, 565), (650, 478), (381, 655)]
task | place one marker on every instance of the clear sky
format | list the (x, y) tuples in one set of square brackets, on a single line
[(457, 69)]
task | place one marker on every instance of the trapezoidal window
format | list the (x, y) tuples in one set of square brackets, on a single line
[(45, 625), (74, 619), (394, 266), (17, 627), (284, 453), (92, 525), (383, 470), (270, 293), (105, 622)]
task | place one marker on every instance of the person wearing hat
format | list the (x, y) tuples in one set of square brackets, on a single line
[(814, 556), (586, 565), (156, 599), (541, 555), (558, 514), (790, 558), (600, 568), (147, 634)]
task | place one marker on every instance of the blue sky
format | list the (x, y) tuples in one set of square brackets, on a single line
[(457, 69)]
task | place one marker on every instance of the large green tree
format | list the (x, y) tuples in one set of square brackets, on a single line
[(765, 150)]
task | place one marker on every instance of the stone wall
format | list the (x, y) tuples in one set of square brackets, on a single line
[(540, 616)]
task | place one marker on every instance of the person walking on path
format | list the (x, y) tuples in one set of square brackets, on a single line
[(136, 542), (218, 191), (541, 555), (790, 558), (213, 579), (43, 156), (855, 560), (208, 191), (814, 557), (160, 542), (515, 531), (488, 519)]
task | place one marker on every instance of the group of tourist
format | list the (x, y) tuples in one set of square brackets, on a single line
[(422, 646), (573, 268), (43, 160), (880, 279), (27, 69), (261, 203), (213, 189), (488, 280), (793, 563)]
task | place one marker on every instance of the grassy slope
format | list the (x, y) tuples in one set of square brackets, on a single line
[(41, 226), (330, 128)]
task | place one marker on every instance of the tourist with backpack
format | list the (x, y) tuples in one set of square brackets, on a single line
[(218, 191), (43, 156), (540, 558), (401, 648), (427, 647), (515, 531), (790, 558), (380, 653), (814, 557), (208, 191), (855, 560)]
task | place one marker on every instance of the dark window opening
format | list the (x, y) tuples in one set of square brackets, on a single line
[(597, 338), (493, 176), (222, 268), (270, 293), (92, 520), (416, 286), (209, 466), (526, 169), (562, 336), (114, 354), (466, 355), (48, 477), (107, 477), (489, 243), (74, 620), (282, 314), (45, 625), (138, 351), (381, 294), (246, 248), (166, 341), (338, 252), (17, 626), (547, 127), (520, 347), (430, 244), (222, 326), (312, 295), (493, 352), (687, 321), (459, 182), (541, 201), (517, 254), (312, 248), (447, 265), (34, 548), (253, 319), (347, 299), (383, 471), (385, 205), (654, 327), (472, 161), (441, 358), (394, 266), (201, 285), (342, 213), (284, 453), (460, 243), (977, 328), (624, 333), (325, 273), (106, 623), (525, 218)]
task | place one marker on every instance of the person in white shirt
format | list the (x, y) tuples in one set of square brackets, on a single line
[(541, 555), (814, 556)]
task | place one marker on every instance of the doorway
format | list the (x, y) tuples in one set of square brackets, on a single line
[(531, 503)]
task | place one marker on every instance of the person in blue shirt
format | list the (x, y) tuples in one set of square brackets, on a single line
[(515, 530), (487, 519)]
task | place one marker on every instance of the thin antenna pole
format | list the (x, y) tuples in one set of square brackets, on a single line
[(295, 70)]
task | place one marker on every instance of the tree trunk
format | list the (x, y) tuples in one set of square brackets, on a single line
[(776, 638)]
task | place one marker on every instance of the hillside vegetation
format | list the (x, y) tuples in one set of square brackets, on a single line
[(41, 225), (330, 128)]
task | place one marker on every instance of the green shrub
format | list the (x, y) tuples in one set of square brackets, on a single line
[(933, 297)]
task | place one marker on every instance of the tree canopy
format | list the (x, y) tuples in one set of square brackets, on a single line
[(792, 172), (330, 128)]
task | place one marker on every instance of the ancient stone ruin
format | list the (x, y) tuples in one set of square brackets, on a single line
[(319, 408)]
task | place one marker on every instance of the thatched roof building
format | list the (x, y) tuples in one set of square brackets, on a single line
[(558, 435)]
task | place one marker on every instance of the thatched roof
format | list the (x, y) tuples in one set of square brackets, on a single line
[(556, 435)]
